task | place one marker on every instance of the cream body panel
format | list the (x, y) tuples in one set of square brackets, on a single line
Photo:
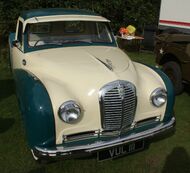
[(75, 73), (16, 58), (148, 81)]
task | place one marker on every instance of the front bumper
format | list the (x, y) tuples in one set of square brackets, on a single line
[(100, 145)]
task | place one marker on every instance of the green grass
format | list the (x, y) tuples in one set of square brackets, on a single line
[(168, 155)]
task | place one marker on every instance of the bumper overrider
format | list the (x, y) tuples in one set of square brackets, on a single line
[(76, 151)]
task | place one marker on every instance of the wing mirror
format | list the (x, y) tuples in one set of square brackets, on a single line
[(15, 43)]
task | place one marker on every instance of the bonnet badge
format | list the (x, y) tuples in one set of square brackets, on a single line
[(109, 64), (121, 92)]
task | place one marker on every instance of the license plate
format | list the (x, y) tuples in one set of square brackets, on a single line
[(120, 150)]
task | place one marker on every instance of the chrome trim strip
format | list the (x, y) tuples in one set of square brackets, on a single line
[(80, 136), (108, 65), (102, 144)]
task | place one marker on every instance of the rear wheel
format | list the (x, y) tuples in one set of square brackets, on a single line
[(173, 71)]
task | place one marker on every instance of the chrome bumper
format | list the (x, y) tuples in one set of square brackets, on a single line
[(91, 148)]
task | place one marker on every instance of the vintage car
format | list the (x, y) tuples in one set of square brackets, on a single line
[(78, 93)]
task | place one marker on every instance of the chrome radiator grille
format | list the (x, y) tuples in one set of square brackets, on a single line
[(117, 104)]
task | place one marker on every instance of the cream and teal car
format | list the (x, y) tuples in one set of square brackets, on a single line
[(78, 93)]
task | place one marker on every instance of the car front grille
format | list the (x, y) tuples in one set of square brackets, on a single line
[(118, 105)]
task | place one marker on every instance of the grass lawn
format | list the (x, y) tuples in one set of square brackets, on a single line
[(171, 155)]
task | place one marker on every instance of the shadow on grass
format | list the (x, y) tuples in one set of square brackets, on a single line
[(6, 88), (38, 170), (5, 124), (177, 162), (187, 89)]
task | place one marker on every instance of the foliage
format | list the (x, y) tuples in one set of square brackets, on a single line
[(120, 12)]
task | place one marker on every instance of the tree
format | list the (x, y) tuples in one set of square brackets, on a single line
[(120, 12)]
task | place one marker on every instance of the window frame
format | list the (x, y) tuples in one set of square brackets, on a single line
[(19, 35)]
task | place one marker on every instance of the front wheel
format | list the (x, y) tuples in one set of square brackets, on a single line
[(173, 71)]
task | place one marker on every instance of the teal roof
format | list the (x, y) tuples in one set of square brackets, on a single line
[(54, 11)]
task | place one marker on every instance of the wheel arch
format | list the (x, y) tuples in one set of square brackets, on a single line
[(167, 57), (170, 92), (36, 109)]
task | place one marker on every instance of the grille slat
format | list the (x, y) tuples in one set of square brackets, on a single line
[(118, 105), (117, 110)]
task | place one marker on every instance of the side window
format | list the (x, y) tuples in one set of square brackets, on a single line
[(19, 37)]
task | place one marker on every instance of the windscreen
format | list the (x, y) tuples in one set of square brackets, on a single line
[(68, 32)]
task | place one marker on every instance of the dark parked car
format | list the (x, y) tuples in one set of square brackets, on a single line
[(173, 54)]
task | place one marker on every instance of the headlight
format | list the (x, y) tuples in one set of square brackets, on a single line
[(69, 111), (159, 97)]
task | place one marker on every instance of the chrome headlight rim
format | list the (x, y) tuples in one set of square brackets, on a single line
[(158, 93), (69, 112)]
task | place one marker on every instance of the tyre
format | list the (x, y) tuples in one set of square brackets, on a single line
[(173, 71)]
